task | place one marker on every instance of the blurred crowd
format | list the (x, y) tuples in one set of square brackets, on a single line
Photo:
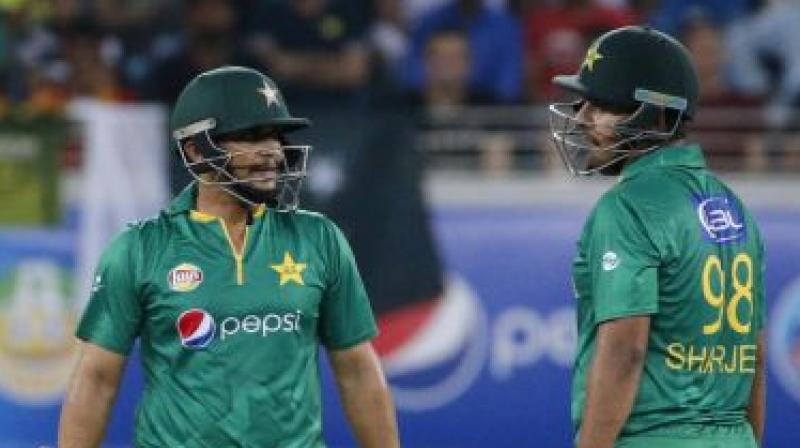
[(437, 54)]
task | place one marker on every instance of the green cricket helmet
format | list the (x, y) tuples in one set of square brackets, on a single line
[(634, 69), (229, 102)]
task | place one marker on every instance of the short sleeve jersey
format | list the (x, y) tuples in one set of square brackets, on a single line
[(229, 341), (671, 241)]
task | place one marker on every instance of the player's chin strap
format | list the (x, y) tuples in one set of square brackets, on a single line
[(636, 134), (214, 159)]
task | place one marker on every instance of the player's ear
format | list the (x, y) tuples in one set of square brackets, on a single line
[(191, 150)]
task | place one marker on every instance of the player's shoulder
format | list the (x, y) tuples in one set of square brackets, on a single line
[(652, 192), (140, 234), (306, 221), (307, 215), (628, 193), (651, 184), (316, 229), (302, 217), (643, 197)]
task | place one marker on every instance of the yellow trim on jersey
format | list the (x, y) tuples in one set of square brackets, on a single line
[(259, 211), (237, 256), (197, 215)]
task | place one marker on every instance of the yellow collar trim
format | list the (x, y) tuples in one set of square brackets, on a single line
[(259, 211), (203, 217), (197, 215)]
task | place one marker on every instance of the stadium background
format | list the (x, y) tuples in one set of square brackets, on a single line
[(431, 151)]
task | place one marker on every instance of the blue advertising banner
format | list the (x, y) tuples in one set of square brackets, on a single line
[(37, 319), (490, 368), (515, 264)]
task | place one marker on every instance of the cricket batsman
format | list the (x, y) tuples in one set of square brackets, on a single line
[(230, 291), (669, 270)]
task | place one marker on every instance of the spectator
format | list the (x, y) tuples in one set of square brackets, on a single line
[(60, 53), (389, 39), (414, 9), (317, 49), (126, 15), (138, 25), (30, 44), (670, 14), (447, 62), (446, 92), (767, 61), (92, 59), (206, 41), (5, 60), (494, 41), (557, 34), (729, 124), (766, 49)]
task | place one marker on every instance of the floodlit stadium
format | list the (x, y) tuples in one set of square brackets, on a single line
[(435, 154)]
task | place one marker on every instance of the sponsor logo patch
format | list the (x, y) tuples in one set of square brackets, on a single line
[(196, 328), (185, 277), (720, 219), (610, 261)]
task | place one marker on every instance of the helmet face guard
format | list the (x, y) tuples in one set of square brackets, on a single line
[(292, 171), (639, 71), (637, 135)]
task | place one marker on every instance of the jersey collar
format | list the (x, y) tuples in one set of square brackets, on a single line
[(690, 156), (185, 202)]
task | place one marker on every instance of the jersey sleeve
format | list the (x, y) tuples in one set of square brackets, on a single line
[(112, 316), (623, 260), (346, 316)]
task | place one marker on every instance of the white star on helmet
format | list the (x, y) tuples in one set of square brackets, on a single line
[(270, 93)]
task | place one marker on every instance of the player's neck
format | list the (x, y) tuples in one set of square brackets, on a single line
[(215, 201)]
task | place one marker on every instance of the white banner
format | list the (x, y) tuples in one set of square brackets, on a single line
[(125, 175)]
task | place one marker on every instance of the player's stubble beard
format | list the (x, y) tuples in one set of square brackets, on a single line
[(267, 193), (600, 157), (257, 180), (256, 195)]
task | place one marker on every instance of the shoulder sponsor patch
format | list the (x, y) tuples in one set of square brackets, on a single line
[(721, 219), (610, 261)]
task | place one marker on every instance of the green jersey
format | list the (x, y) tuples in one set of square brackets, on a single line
[(671, 241), (229, 341)]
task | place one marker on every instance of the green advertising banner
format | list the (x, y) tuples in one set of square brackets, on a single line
[(29, 171)]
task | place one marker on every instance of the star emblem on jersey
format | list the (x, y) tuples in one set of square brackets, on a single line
[(289, 270), (592, 56), (270, 93)]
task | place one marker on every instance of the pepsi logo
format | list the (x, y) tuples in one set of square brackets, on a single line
[(456, 340), (196, 328), (185, 277), (445, 356)]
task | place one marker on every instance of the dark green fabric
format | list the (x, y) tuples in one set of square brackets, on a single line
[(631, 58), (257, 382), (236, 98), (645, 251), (694, 436)]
